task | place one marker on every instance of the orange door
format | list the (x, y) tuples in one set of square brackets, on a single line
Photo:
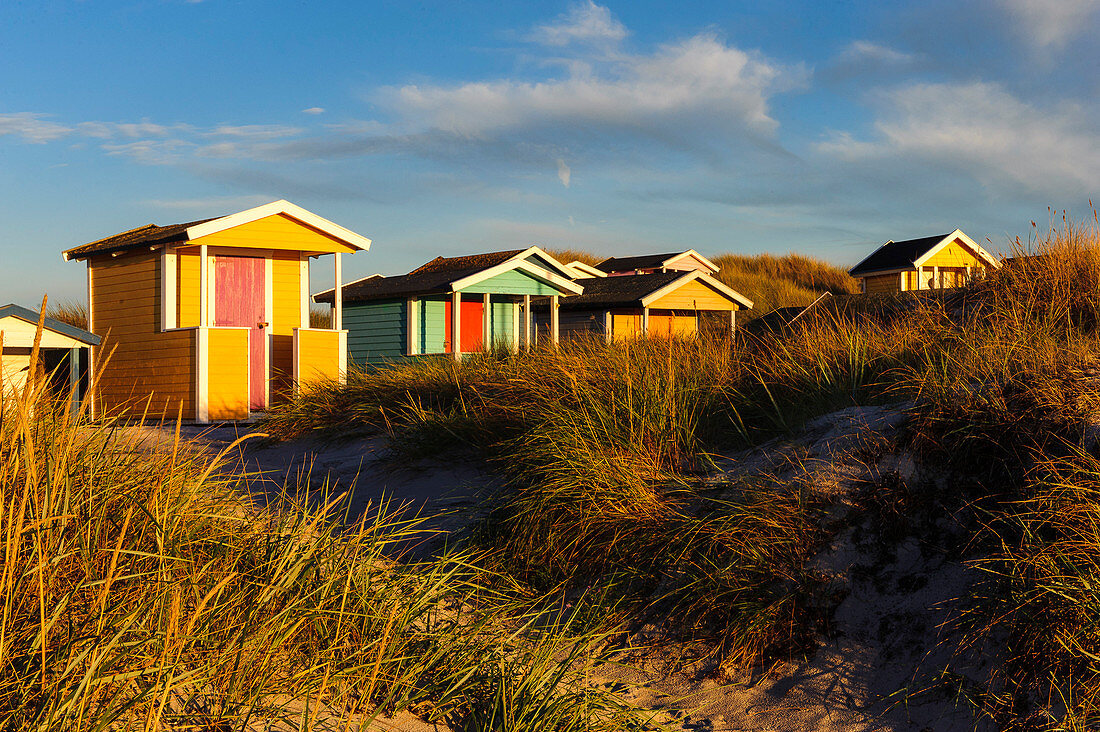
[(471, 316)]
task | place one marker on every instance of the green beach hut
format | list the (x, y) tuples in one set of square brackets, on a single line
[(452, 305)]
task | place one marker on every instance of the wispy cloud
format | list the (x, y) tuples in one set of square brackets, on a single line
[(1050, 24), (585, 22), (982, 131), (564, 173), (313, 110), (33, 128)]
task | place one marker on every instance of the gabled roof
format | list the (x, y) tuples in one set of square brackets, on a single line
[(640, 290), (894, 256), (653, 261), (153, 235), (585, 270), (29, 316), (449, 274)]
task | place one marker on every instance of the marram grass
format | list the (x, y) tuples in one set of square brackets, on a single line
[(140, 589)]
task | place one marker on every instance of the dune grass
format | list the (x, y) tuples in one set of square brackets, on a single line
[(142, 590)]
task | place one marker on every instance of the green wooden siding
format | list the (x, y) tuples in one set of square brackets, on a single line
[(512, 282), (501, 326), (430, 322), (376, 331)]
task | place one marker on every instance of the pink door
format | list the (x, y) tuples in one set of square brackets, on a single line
[(239, 290)]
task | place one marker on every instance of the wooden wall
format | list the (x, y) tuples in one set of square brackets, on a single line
[(694, 296), (882, 283), (146, 366), (377, 331), (275, 232)]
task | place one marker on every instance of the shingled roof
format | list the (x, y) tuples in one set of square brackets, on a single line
[(607, 292), (435, 276), (895, 255), (629, 264), (150, 234)]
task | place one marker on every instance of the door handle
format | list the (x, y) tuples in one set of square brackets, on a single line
[(263, 324)]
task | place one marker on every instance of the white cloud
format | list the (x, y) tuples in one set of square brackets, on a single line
[(32, 127), (563, 173), (1050, 24), (255, 132), (700, 79), (313, 110), (981, 130), (866, 51), (586, 22)]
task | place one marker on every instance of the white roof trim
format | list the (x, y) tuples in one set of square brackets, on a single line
[(562, 269), (967, 242), (703, 277), (692, 253), (521, 264), (582, 269), (280, 207)]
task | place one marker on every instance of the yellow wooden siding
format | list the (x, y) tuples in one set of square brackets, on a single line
[(694, 296), (14, 366), (276, 232), (318, 354), (187, 294), (882, 283), (625, 326), (146, 366), (953, 255), (670, 324), (286, 308), (227, 396)]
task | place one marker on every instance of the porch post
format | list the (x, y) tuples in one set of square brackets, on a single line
[(936, 282), (901, 280), (456, 326), (338, 309), (606, 326), (486, 322), (526, 321), (645, 321), (920, 278), (413, 340), (74, 379), (515, 326), (554, 319)]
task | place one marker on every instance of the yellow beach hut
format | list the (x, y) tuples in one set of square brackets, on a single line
[(210, 319)]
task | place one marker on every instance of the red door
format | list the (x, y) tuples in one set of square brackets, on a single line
[(239, 291), (471, 314)]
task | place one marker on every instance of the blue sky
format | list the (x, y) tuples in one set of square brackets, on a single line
[(445, 128)]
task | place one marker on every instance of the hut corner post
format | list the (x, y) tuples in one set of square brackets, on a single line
[(456, 325)]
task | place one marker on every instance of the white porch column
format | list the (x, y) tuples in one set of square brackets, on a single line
[(515, 327), (554, 319), (456, 326), (338, 299), (901, 280), (204, 288), (486, 322), (606, 326), (413, 326), (937, 283), (645, 321), (74, 379), (920, 278), (167, 288), (733, 322), (526, 321)]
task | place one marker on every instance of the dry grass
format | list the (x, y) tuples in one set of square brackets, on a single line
[(141, 590)]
